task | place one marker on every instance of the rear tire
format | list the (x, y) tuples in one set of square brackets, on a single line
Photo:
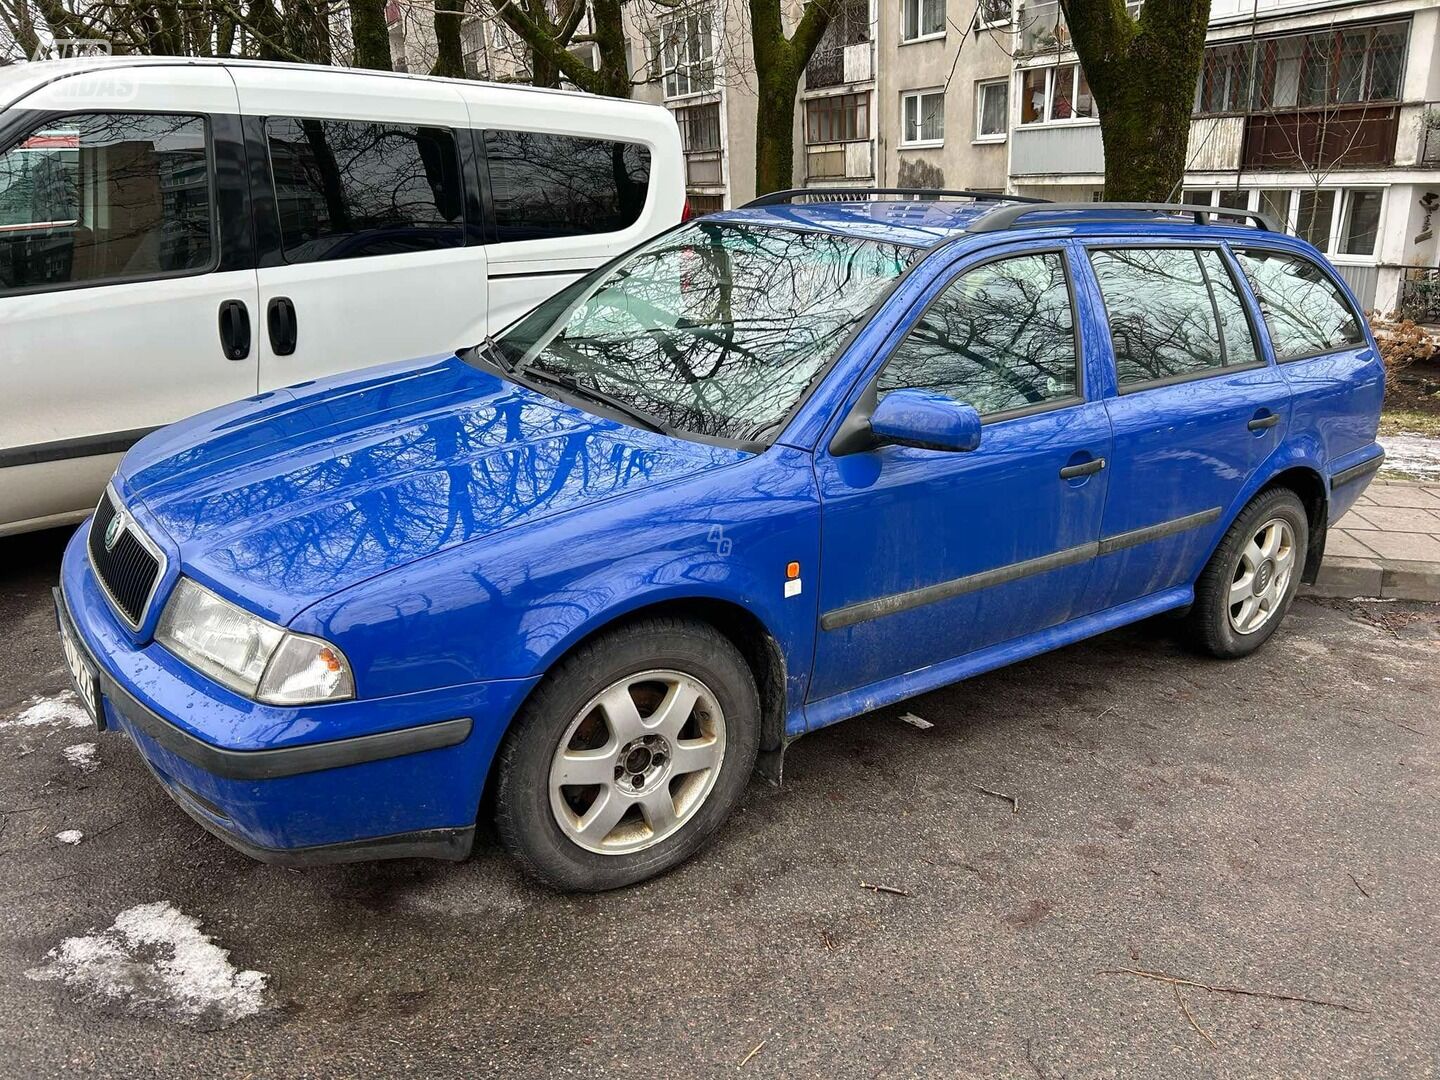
[(1246, 588), (630, 754)]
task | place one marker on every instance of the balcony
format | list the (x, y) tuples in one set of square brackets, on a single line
[(1336, 136), (839, 66), (1057, 150), (840, 161)]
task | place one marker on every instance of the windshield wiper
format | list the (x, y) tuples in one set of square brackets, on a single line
[(567, 382), (489, 350)]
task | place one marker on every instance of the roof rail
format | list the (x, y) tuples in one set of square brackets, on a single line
[(1005, 217), (778, 198)]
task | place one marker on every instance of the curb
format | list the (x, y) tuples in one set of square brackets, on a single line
[(1347, 578)]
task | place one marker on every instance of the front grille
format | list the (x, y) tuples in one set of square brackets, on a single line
[(126, 567)]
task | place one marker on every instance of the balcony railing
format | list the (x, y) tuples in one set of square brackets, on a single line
[(1419, 298), (1324, 138), (840, 161)]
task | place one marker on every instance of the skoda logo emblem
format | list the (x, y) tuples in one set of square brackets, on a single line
[(113, 531)]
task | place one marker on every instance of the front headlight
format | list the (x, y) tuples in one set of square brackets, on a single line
[(249, 655)]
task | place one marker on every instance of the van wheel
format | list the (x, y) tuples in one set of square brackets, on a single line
[(1246, 588), (629, 755)]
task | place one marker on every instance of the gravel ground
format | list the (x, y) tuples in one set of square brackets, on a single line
[(1267, 825)]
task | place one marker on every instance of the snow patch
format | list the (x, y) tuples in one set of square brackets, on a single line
[(155, 961), (62, 710), (83, 756), (1415, 456), (70, 836)]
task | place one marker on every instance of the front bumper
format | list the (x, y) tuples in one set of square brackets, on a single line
[(367, 779)]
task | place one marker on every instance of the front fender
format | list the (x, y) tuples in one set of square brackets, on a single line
[(510, 605)]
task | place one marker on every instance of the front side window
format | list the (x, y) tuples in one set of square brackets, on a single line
[(99, 197), (714, 329), (923, 18), (564, 185), (1305, 313), (1163, 322), (992, 108), (350, 189), (924, 115), (1000, 338)]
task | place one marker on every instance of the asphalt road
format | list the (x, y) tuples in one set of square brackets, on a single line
[(1268, 825)]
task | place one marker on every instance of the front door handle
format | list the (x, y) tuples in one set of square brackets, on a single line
[(235, 329), (280, 319), (1085, 468), (1260, 423)]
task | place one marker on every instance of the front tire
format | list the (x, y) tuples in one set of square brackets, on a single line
[(1247, 587), (633, 750)]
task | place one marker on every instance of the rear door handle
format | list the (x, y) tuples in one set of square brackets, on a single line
[(280, 319), (1085, 468), (1260, 423), (235, 329)]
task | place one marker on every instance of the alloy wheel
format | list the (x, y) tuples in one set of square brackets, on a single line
[(637, 762), (1262, 577)]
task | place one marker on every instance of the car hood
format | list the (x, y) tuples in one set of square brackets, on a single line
[(288, 497)]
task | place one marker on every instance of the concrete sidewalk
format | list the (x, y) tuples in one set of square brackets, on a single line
[(1387, 546)]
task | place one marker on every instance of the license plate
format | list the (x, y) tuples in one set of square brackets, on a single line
[(85, 678)]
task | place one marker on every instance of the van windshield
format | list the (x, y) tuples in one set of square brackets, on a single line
[(715, 329)]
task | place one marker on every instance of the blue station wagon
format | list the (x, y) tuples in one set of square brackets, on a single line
[(778, 467)]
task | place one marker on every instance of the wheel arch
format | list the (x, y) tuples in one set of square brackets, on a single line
[(1309, 486)]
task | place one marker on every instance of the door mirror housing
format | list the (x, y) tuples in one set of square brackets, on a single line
[(924, 420)]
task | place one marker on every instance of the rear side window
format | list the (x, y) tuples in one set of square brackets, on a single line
[(1164, 310), (1001, 337), (1304, 311), (349, 189), (562, 185), (100, 197)]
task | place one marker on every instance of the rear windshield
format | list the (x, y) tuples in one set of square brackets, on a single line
[(714, 329)]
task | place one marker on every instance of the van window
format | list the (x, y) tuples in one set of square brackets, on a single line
[(562, 185), (1001, 337), (1162, 320), (1304, 311), (350, 189), (100, 197)]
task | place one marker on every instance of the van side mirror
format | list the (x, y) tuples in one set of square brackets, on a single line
[(924, 420)]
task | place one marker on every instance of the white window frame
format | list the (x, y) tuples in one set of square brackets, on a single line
[(1045, 121), (992, 137), (919, 96), (1291, 220), (932, 35), (672, 61), (982, 24)]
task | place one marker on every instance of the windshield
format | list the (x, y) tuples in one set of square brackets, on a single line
[(713, 329)]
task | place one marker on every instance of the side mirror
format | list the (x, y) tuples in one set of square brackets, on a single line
[(924, 420)]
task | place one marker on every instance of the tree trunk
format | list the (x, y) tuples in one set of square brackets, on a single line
[(449, 55), (1143, 74), (372, 39), (779, 62)]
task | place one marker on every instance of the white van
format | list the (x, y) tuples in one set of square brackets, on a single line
[(176, 234)]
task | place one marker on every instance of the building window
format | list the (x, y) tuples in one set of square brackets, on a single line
[(687, 54), (1225, 79), (1332, 67), (840, 118), (924, 118), (1360, 221), (1053, 95), (1344, 222), (700, 139), (922, 19), (992, 109), (991, 13)]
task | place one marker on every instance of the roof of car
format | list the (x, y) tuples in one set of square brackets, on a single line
[(928, 222)]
